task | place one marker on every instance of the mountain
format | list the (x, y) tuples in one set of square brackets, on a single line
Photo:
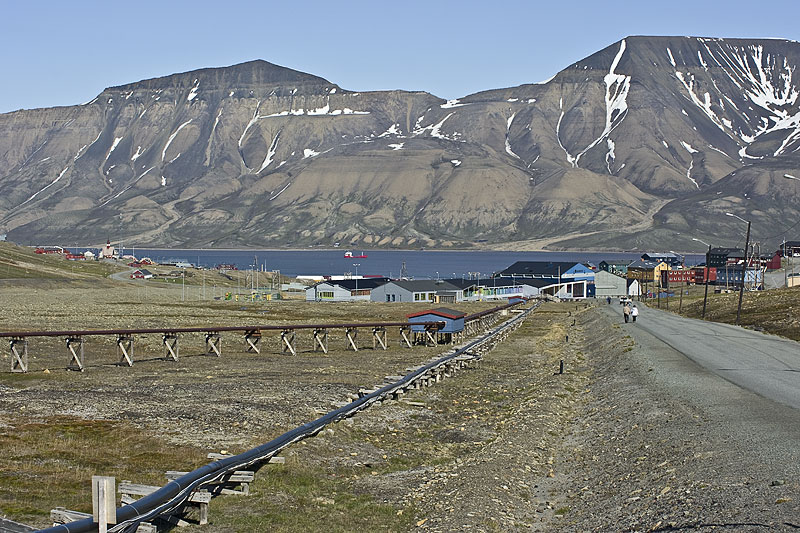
[(642, 145)]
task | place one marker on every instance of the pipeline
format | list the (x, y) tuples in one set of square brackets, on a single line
[(175, 493)]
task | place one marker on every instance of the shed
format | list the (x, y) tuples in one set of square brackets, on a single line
[(453, 320)]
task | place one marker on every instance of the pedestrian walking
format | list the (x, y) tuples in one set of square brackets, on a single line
[(634, 313), (608, 300), (626, 311)]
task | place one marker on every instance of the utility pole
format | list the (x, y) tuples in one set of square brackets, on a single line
[(744, 267), (707, 274)]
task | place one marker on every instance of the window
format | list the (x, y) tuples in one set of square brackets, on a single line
[(326, 295), (417, 296), (430, 296), (388, 297)]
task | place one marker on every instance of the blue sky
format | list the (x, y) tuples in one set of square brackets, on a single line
[(66, 52)]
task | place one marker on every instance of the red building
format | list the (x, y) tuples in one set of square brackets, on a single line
[(673, 277), (700, 275), (771, 262)]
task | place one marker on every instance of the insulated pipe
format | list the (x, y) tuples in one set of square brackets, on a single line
[(175, 493), (215, 329)]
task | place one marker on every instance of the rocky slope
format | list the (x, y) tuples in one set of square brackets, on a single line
[(646, 143)]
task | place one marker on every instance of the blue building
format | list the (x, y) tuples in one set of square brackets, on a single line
[(565, 279), (453, 320)]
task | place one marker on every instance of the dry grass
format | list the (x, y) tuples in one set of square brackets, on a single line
[(50, 463), (57, 428)]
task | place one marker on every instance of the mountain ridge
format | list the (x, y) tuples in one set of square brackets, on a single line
[(634, 135)]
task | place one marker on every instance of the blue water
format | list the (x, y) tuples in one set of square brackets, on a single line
[(419, 263)]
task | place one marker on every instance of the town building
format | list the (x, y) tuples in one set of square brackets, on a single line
[(107, 251), (719, 257), (607, 284), (700, 273), (344, 290), (671, 258), (439, 291), (791, 248), (142, 273), (731, 277), (499, 288), (647, 271), (615, 267), (683, 276), (549, 270)]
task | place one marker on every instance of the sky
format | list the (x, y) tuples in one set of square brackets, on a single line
[(55, 53)]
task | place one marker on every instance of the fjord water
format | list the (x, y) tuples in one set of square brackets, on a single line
[(418, 263)]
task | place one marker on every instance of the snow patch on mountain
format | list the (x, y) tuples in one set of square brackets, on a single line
[(193, 92), (671, 59), (394, 129), (617, 88), (570, 159), (280, 192), (610, 155), (172, 138), (508, 143), (270, 153), (452, 103), (37, 193), (113, 147), (688, 147)]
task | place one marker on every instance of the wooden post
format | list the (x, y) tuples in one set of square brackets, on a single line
[(287, 338), (19, 361), (323, 341), (430, 340), (252, 337), (378, 337), (125, 346), (171, 344), (352, 338), (213, 343), (104, 507), (403, 333), (76, 359)]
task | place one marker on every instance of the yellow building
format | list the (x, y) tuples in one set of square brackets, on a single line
[(647, 271)]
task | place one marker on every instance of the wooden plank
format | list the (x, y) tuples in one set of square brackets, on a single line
[(287, 336), (252, 339), (104, 503), (9, 526), (275, 459), (59, 515), (19, 361), (239, 476), (136, 489), (404, 334), (125, 346), (171, 345), (352, 337), (323, 342), (76, 359), (213, 344)]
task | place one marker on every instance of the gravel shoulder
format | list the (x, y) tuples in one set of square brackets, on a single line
[(633, 437)]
